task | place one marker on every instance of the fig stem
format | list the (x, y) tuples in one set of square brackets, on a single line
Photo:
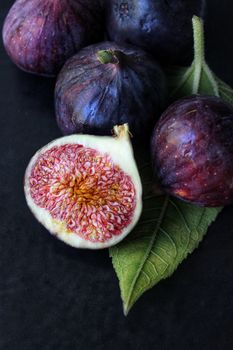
[(199, 51), (108, 56), (122, 131)]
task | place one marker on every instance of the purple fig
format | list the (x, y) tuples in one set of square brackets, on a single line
[(40, 35), (163, 28), (108, 84), (192, 150)]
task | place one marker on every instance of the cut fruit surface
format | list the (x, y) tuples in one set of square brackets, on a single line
[(86, 189)]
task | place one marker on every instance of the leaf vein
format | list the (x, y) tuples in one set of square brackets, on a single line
[(158, 256), (163, 211), (181, 214), (154, 267)]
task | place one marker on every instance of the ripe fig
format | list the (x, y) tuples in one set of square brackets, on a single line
[(192, 150), (163, 28), (85, 189), (40, 35), (108, 84)]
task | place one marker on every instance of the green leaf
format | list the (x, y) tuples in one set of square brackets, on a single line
[(198, 78), (169, 229), (225, 91), (167, 232)]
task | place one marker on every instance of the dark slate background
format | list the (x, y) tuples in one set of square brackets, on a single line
[(53, 297)]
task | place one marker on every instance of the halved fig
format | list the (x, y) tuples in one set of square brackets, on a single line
[(86, 189)]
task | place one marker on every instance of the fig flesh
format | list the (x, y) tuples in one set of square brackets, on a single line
[(108, 84), (40, 35), (192, 150), (85, 189), (163, 28)]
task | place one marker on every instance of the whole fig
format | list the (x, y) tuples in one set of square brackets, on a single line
[(108, 84), (40, 35), (192, 150), (163, 28)]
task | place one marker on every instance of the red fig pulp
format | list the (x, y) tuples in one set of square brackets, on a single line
[(40, 35)]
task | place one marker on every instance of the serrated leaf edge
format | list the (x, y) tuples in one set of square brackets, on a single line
[(126, 304)]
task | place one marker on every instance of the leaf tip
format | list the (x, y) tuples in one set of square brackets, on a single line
[(126, 310)]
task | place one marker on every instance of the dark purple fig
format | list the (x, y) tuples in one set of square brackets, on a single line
[(106, 85), (192, 150), (40, 35), (162, 27)]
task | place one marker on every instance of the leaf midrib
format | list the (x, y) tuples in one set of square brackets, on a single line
[(151, 243)]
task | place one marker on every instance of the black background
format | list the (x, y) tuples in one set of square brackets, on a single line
[(53, 297)]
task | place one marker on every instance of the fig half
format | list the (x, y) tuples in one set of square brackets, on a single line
[(85, 189), (40, 35), (108, 84)]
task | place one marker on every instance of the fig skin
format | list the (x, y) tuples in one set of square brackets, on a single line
[(40, 35), (91, 97), (163, 28), (192, 150)]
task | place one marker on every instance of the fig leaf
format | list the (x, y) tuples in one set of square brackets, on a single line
[(198, 78), (225, 91), (169, 229)]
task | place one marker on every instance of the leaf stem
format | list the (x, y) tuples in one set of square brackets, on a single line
[(199, 40), (199, 51)]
